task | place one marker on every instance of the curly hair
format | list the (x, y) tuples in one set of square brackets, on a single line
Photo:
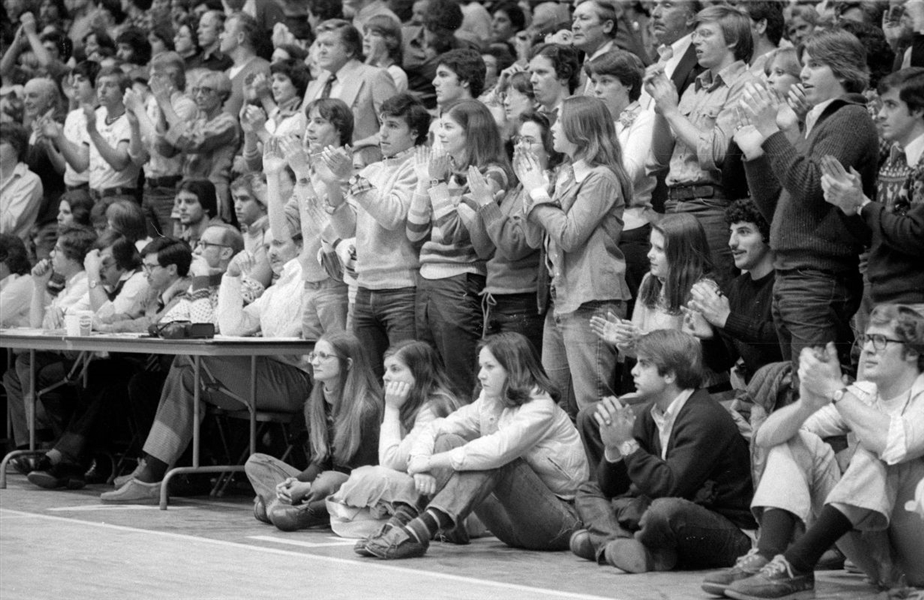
[(745, 211)]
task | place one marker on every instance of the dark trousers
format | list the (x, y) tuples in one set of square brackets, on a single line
[(518, 313), (382, 318)]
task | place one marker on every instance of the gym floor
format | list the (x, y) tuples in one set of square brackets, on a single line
[(67, 545)]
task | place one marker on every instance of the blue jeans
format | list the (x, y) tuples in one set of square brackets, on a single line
[(710, 212), (581, 365), (382, 318), (158, 206), (812, 308), (518, 313), (512, 501), (325, 309), (449, 317), (703, 539)]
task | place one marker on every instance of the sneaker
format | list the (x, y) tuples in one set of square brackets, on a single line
[(745, 566), (134, 491), (632, 556), (61, 475), (776, 579), (397, 543), (123, 479), (582, 545)]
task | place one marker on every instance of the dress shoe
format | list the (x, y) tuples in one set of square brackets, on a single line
[(26, 464), (100, 470), (259, 510), (360, 546), (134, 491), (632, 556), (396, 543), (61, 475), (582, 545), (287, 517)]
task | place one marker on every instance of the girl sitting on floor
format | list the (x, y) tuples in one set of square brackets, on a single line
[(512, 456), (343, 415), (417, 392)]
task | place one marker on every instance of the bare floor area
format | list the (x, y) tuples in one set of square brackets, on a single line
[(66, 545)]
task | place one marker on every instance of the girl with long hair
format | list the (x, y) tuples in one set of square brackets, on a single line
[(509, 297), (452, 268), (513, 457), (417, 392), (679, 258), (579, 225), (343, 415), (383, 48)]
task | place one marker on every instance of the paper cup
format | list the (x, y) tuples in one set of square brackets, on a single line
[(72, 325), (86, 321)]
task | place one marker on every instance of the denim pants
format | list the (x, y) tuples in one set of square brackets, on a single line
[(382, 318), (710, 212), (513, 312), (580, 364), (812, 308), (702, 539), (512, 501), (157, 203), (325, 308), (449, 317)]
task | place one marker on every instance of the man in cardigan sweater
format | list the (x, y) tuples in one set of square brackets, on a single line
[(674, 486), (818, 285), (896, 219)]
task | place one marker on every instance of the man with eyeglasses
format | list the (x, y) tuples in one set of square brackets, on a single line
[(863, 509)]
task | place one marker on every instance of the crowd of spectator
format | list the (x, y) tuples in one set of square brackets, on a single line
[(613, 276)]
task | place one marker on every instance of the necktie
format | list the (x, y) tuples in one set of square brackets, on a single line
[(325, 93)]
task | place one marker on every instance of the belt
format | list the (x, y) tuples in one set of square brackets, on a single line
[(163, 182), (82, 186), (689, 192), (108, 192)]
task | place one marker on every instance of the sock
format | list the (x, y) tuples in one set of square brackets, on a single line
[(428, 525), (54, 456), (776, 527), (404, 514), (830, 526), (154, 470)]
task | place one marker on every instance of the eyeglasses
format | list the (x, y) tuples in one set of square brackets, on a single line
[(879, 341), (149, 267), (320, 356), (203, 244), (207, 91)]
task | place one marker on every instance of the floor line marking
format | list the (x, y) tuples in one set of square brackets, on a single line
[(93, 507), (278, 540), (368, 564)]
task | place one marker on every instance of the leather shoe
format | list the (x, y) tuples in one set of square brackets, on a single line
[(26, 464), (397, 543), (287, 517), (582, 545), (61, 475), (259, 510), (360, 546), (632, 556), (134, 491)]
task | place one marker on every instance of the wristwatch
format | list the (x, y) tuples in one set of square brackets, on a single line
[(94, 284), (838, 395), (627, 448)]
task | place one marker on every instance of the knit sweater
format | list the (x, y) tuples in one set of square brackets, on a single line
[(896, 266), (385, 257), (443, 214), (805, 231)]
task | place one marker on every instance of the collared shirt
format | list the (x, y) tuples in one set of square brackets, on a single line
[(664, 420), (73, 298), (814, 114), (914, 150), (710, 105), (22, 199), (160, 165), (287, 119), (210, 146), (634, 128), (15, 300), (678, 48), (130, 298)]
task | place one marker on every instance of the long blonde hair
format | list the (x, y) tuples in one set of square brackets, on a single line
[(360, 398)]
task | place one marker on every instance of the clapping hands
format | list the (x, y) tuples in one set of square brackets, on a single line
[(615, 331)]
